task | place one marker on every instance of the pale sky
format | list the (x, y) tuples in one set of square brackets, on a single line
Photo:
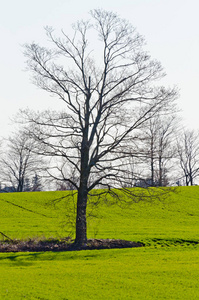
[(170, 27)]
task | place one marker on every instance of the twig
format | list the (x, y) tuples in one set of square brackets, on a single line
[(5, 236)]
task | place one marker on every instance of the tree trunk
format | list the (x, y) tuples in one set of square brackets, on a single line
[(20, 185), (152, 162), (187, 180), (191, 179), (81, 223), (152, 171), (160, 171)]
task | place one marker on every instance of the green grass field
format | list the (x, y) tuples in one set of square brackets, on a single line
[(167, 268)]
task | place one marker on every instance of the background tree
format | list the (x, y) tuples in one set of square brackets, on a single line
[(19, 163), (158, 147), (36, 183), (109, 93), (188, 155)]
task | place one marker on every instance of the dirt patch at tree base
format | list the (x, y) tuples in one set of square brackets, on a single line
[(66, 244)]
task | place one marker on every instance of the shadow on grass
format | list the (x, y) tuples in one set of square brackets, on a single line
[(171, 242), (20, 259)]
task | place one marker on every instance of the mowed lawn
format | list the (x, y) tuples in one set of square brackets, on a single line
[(167, 268)]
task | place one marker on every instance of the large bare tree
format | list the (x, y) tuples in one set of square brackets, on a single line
[(107, 82)]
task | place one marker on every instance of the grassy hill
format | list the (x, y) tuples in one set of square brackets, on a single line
[(49, 214), (164, 269)]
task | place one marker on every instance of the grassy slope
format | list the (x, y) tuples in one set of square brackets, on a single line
[(153, 273), (33, 214), (175, 217)]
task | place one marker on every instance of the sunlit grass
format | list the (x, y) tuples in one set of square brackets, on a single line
[(167, 268), (175, 217), (137, 273)]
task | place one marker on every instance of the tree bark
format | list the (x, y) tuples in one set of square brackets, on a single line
[(81, 223), (20, 186)]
